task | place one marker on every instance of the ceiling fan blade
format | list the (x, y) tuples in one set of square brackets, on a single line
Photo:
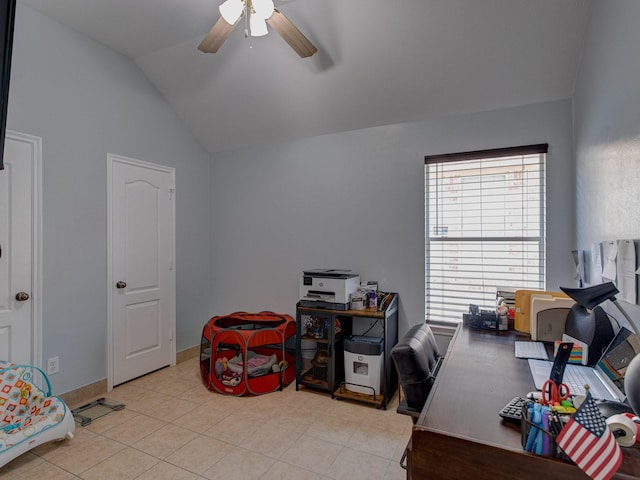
[(291, 34), (216, 36)]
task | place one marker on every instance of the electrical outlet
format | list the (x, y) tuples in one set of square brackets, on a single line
[(53, 365)]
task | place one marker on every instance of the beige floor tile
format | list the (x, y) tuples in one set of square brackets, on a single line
[(217, 401), (194, 392), (165, 441), (388, 420), (292, 419), (201, 418), (239, 464), (332, 429), (124, 465), (165, 385), (199, 454), (126, 393), (351, 411), (376, 441), (102, 424), (148, 402), (170, 410), (42, 470), (148, 381), (171, 415), (402, 445), (134, 430), (395, 471), (354, 465), (166, 471), (235, 428), (263, 405), (314, 401), (189, 369), (19, 467), (271, 440), (312, 454), (222, 403), (86, 454), (193, 384), (47, 450), (286, 471)]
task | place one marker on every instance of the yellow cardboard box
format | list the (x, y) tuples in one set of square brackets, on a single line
[(521, 320)]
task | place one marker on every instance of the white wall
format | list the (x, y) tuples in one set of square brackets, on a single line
[(607, 126), (84, 100), (356, 200)]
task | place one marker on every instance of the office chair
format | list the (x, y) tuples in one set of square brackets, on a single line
[(417, 360)]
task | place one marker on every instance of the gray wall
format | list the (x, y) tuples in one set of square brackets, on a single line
[(607, 127), (84, 100), (250, 221), (356, 200)]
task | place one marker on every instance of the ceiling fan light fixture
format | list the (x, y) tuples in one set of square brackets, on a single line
[(231, 10), (257, 15), (263, 8), (258, 26)]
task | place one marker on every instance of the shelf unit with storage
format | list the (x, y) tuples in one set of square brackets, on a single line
[(320, 347)]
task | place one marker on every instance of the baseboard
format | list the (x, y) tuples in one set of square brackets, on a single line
[(187, 354), (83, 395), (80, 396)]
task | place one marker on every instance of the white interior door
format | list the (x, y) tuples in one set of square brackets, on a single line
[(141, 274), (20, 250)]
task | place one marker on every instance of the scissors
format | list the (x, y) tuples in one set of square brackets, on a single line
[(553, 393)]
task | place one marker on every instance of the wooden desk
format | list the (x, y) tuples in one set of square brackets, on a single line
[(459, 434)]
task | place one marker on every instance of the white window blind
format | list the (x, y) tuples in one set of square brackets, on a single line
[(484, 227)]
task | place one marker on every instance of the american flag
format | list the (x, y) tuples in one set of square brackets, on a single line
[(587, 441)]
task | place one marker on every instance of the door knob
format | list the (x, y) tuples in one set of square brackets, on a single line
[(121, 284), (22, 296)]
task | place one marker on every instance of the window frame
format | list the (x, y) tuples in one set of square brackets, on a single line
[(478, 155)]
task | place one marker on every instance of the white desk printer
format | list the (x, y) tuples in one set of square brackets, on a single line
[(328, 288)]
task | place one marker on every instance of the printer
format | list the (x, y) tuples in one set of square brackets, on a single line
[(327, 288)]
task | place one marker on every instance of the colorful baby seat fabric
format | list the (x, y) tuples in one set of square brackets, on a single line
[(26, 410)]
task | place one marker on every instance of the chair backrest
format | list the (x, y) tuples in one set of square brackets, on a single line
[(417, 359)]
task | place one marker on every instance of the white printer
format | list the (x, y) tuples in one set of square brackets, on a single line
[(328, 288)]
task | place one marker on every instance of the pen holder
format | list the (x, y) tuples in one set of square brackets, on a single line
[(537, 439)]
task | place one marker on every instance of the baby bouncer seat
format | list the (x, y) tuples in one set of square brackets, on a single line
[(29, 415)]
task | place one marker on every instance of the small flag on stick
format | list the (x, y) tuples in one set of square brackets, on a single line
[(589, 443)]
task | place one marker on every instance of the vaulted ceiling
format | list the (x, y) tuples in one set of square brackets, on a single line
[(378, 62)]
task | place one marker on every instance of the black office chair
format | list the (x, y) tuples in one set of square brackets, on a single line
[(417, 360)]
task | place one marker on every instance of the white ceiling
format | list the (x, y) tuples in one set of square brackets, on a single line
[(378, 62)]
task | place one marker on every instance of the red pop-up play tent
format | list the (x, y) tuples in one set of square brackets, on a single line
[(248, 353)]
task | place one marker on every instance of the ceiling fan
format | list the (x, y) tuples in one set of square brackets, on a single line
[(257, 14)]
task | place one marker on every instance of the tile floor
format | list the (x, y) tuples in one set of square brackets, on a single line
[(174, 428)]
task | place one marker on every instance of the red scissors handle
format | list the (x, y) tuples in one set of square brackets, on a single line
[(553, 393)]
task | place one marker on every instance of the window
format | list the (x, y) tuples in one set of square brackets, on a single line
[(484, 227)]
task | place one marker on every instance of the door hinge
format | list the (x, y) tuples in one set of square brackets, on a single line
[(171, 264), (171, 335), (172, 190)]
